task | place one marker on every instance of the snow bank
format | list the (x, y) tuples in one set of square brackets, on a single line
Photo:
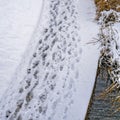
[(56, 78), (17, 22)]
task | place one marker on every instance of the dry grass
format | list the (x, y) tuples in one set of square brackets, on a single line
[(108, 91), (107, 5)]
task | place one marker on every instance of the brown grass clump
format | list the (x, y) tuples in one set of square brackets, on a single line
[(102, 5), (107, 5)]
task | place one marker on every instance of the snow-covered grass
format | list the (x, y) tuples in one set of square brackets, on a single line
[(109, 38), (17, 23), (56, 76)]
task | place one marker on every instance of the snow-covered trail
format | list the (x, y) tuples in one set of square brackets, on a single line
[(59, 78), (17, 22)]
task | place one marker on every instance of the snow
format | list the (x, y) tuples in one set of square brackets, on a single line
[(17, 23), (116, 52), (117, 28), (56, 75)]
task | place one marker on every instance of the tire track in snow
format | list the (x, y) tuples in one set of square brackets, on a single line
[(47, 90)]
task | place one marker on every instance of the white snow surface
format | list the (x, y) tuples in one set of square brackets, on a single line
[(18, 20), (55, 78)]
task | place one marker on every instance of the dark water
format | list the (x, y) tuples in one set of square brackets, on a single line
[(101, 109)]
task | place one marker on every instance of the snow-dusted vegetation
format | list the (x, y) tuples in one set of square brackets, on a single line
[(110, 44), (109, 19)]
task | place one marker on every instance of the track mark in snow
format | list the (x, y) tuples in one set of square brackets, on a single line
[(49, 85)]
